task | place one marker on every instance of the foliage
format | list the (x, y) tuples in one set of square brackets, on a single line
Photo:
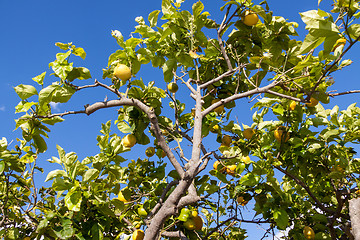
[(306, 180)]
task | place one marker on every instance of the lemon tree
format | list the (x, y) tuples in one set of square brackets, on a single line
[(192, 149)]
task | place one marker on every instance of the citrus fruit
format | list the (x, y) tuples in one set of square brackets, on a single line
[(198, 222), (250, 18), (142, 212), (293, 105), (138, 234), (173, 87), (231, 170), (162, 153), (194, 213), (189, 224), (122, 198), (215, 128), (122, 71), (313, 102), (309, 233), (216, 164), (150, 151), (129, 140), (219, 109), (246, 159), (248, 133), (281, 135), (339, 42), (226, 140)]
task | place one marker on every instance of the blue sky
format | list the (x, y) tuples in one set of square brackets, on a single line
[(30, 30)]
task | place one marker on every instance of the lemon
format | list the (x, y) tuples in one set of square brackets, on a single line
[(293, 105), (309, 233), (226, 140), (313, 102), (250, 18), (122, 71), (173, 87), (248, 133), (138, 234), (129, 140), (281, 135), (150, 151), (231, 170)]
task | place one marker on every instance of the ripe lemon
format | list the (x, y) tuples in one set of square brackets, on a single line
[(281, 135), (246, 159), (293, 105), (122, 198), (219, 109), (198, 222), (138, 234), (129, 141), (231, 170), (216, 164), (309, 233), (215, 128), (226, 140), (248, 133), (250, 18), (122, 71), (150, 151), (194, 213), (313, 102), (173, 87)]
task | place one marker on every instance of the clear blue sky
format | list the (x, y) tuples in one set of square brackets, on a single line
[(29, 30)]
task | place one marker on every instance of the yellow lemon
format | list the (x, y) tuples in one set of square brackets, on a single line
[(250, 18), (231, 170), (246, 159), (138, 234), (293, 105), (309, 233), (129, 140), (122, 71), (313, 102)]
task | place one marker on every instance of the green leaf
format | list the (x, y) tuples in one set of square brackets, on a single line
[(55, 173), (310, 42), (73, 199), (62, 94), (165, 33), (40, 143), (25, 91), (90, 175), (197, 8), (80, 73), (80, 52), (354, 31), (153, 18), (249, 179), (168, 68), (45, 94), (40, 78), (2, 167), (281, 218), (63, 46), (23, 106), (53, 120)]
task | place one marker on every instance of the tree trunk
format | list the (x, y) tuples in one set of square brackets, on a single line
[(354, 212)]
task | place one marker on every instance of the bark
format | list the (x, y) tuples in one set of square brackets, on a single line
[(354, 212)]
